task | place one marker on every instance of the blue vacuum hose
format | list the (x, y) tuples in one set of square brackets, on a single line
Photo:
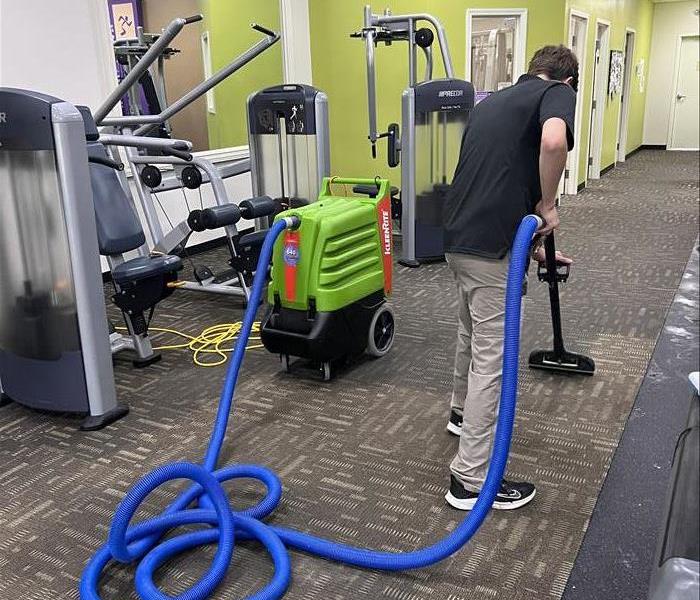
[(206, 502)]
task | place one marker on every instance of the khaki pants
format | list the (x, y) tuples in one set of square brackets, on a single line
[(481, 286)]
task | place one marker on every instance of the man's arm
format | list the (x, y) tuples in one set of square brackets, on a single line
[(553, 149)]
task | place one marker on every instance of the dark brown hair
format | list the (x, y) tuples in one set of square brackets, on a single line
[(556, 62)]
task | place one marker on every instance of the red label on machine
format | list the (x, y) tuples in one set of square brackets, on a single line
[(291, 259), (384, 222)]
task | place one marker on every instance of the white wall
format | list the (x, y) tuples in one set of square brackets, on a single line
[(58, 47), (671, 20)]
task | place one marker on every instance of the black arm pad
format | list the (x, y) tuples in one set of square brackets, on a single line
[(262, 206), (220, 216)]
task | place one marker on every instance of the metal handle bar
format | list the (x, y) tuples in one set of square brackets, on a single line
[(147, 121), (150, 57), (150, 143), (378, 20)]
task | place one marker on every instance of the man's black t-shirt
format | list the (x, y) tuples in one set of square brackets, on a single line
[(497, 180)]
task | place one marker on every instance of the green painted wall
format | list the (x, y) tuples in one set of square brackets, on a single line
[(637, 15), (228, 23), (339, 66)]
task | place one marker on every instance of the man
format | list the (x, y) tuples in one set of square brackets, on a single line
[(512, 157)]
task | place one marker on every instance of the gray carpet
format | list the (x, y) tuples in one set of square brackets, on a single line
[(364, 458), (616, 558)]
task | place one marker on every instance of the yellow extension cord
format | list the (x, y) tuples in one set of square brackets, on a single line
[(210, 341)]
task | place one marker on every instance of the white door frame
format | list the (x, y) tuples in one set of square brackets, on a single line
[(574, 157), (624, 114), (595, 142), (296, 41), (206, 62), (519, 66), (674, 103)]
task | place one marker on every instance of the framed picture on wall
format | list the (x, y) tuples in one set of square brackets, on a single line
[(124, 18), (615, 78)]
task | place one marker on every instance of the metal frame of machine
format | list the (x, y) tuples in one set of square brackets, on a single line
[(151, 52), (449, 95), (137, 339), (128, 51), (278, 118)]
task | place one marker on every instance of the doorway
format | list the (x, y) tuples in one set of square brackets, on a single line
[(184, 72), (684, 132), (578, 33), (496, 42), (601, 60), (626, 93)]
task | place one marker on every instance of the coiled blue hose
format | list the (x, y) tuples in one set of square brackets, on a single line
[(129, 543)]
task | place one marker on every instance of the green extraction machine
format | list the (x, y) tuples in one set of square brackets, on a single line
[(331, 277)]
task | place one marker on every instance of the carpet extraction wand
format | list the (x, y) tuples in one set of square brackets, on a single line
[(559, 359)]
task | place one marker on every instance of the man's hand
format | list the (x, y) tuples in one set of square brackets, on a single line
[(540, 256), (550, 214)]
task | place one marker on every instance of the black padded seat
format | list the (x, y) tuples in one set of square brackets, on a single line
[(145, 266), (255, 238)]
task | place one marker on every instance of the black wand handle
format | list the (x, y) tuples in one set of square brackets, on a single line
[(551, 263)]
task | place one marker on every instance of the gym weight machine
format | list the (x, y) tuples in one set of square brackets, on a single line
[(434, 115), (140, 282), (191, 171), (289, 147), (54, 343)]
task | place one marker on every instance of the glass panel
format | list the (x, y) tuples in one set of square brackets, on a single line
[(268, 172), (438, 139), (492, 50), (38, 316), (302, 170), (299, 182)]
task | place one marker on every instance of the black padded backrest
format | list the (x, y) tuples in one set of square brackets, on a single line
[(118, 227)]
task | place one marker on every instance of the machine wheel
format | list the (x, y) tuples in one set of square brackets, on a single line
[(381, 331), (326, 367), (286, 363)]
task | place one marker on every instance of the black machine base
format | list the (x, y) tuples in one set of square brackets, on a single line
[(320, 336), (330, 339), (421, 260), (325, 371), (90, 422), (413, 264), (95, 422), (568, 362), (142, 363)]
